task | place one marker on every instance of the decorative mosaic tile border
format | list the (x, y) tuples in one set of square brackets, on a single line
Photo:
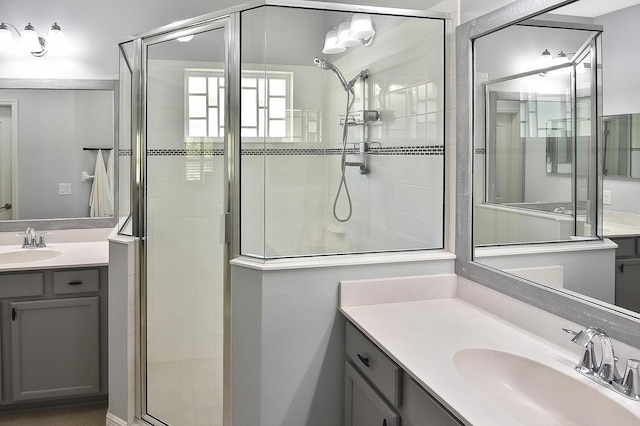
[(400, 150)]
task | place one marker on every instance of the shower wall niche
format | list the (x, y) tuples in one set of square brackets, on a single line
[(291, 135)]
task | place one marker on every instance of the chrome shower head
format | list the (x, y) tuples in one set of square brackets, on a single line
[(322, 63)]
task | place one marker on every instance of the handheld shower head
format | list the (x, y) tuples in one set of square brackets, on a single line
[(322, 63)]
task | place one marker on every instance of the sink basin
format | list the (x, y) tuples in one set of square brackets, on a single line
[(27, 255), (535, 394)]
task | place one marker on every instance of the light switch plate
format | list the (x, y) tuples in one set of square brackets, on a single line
[(606, 197), (64, 189)]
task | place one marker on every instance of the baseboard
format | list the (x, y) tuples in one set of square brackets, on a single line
[(113, 420)]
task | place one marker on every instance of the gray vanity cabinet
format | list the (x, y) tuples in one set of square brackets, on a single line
[(55, 348), (379, 393), (627, 294), (363, 405), (53, 337)]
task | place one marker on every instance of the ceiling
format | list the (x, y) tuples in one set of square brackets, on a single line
[(595, 8), (471, 9), (94, 28)]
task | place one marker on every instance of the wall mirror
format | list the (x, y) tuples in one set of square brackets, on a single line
[(51, 132), (535, 220), (622, 145)]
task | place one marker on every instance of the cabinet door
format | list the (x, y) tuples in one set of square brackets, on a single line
[(628, 284), (419, 408), (363, 405), (55, 348)]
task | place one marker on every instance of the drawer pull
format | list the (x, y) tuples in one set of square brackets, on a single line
[(75, 283), (364, 360)]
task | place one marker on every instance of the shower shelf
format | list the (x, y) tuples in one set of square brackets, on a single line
[(361, 117)]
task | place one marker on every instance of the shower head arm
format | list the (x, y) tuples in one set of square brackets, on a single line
[(361, 75)]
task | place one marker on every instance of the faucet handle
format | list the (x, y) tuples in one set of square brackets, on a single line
[(631, 379), (588, 363)]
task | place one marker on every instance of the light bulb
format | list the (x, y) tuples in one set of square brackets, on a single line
[(185, 38), (29, 39), (6, 39), (344, 35), (361, 26), (561, 58), (331, 43), (545, 58), (56, 41)]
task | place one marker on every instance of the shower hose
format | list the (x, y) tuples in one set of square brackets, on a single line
[(351, 97)]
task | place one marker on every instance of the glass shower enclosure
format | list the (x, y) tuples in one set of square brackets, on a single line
[(256, 132)]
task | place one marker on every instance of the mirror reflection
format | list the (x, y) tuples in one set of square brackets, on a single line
[(556, 153), (535, 159), (622, 145), (50, 151)]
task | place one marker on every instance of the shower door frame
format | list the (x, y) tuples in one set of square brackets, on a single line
[(229, 23)]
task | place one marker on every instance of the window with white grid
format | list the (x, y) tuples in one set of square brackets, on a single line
[(265, 105)]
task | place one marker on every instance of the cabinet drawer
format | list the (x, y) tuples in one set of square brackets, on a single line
[(21, 285), (374, 364), (83, 281), (626, 247)]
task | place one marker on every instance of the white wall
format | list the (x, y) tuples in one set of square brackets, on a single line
[(93, 31), (621, 33), (587, 270), (289, 339)]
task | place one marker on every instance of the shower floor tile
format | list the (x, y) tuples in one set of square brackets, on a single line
[(186, 392)]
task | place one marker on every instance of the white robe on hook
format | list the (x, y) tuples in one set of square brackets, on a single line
[(100, 200)]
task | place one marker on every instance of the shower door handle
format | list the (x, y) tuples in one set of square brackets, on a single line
[(225, 228)]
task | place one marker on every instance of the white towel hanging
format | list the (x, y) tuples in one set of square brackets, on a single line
[(100, 200), (110, 176)]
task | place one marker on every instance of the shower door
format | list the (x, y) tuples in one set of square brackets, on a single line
[(185, 193)]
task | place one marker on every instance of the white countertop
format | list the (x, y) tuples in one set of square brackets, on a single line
[(620, 224), (72, 255), (421, 330), (78, 249)]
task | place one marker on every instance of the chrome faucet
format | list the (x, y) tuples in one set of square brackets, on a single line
[(31, 240), (605, 371)]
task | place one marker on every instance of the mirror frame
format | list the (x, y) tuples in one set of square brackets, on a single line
[(619, 323), (69, 84)]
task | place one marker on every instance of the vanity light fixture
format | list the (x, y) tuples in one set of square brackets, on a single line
[(545, 58), (331, 43), (561, 58), (345, 37), (29, 41), (357, 30), (361, 26)]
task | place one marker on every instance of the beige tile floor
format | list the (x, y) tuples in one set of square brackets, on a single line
[(86, 415), (181, 393)]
